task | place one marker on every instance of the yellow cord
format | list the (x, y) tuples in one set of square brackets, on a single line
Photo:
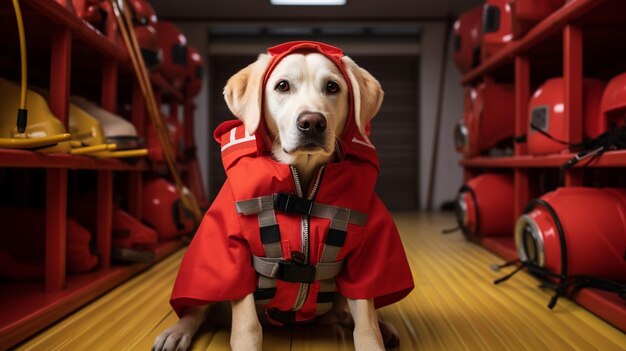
[(20, 29)]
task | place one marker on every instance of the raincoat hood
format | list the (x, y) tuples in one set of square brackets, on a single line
[(279, 52)]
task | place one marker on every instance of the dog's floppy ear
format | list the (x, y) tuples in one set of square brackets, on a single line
[(368, 94), (243, 93)]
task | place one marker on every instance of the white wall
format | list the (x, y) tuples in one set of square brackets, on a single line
[(448, 171), (448, 174)]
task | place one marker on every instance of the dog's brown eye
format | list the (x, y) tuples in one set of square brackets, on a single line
[(332, 87), (282, 86)]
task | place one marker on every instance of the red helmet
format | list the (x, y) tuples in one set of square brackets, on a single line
[(588, 223), (68, 4), (546, 108), (496, 27), (175, 133), (195, 64), (22, 245), (527, 13), (484, 206), (613, 105), (129, 232), (467, 37), (144, 20), (164, 211), (132, 240), (88, 10), (174, 46), (461, 132), (490, 119)]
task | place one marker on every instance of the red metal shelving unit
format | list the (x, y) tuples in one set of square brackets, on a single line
[(570, 25), (28, 307)]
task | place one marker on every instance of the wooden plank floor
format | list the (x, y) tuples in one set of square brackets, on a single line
[(454, 306)]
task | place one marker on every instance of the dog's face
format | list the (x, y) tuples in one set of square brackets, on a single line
[(305, 102), (305, 106)]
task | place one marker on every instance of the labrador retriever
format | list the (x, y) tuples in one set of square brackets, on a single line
[(305, 102)]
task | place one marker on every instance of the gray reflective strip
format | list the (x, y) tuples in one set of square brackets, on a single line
[(327, 285), (266, 218), (266, 283), (327, 270), (330, 253), (266, 266), (255, 205), (273, 250), (269, 267), (266, 203), (341, 214)]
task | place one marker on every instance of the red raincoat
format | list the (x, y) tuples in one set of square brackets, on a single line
[(218, 265)]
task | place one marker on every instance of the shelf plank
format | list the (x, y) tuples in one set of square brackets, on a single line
[(546, 28), (605, 305), (87, 34), (503, 246), (608, 159), (26, 308), (31, 159)]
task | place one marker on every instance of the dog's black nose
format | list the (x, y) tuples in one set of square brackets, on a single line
[(311, 123)]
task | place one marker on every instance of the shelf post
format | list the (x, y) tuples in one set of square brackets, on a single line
[(522, 96), (108, 98), (56, 229), (56, 179), (104, 196), (135, 179), (573, 80), (60, 68)]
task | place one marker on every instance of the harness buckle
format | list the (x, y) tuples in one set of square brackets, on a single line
[(292, 204), (296, 271)]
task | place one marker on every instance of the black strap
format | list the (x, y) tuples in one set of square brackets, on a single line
[(336, 237), (292, 204), (282, 317), (323, 297), (270, 234), (296, 272), (264, 294), (549, 136)]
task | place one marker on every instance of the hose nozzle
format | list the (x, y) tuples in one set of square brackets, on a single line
[(22, 120)]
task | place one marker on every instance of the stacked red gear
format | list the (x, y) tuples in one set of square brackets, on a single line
[(571, 104), (71, 259)]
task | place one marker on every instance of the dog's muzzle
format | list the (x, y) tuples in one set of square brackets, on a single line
[(312, 128)]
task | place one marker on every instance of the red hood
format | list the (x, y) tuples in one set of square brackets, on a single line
[(334, 54)]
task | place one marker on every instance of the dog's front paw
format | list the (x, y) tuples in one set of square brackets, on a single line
[(176, 338)]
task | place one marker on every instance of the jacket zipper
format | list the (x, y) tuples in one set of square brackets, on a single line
[(303, 290)]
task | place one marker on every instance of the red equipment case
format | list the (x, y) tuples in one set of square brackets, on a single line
[(546, 113), (467, 39), (482, 206)]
